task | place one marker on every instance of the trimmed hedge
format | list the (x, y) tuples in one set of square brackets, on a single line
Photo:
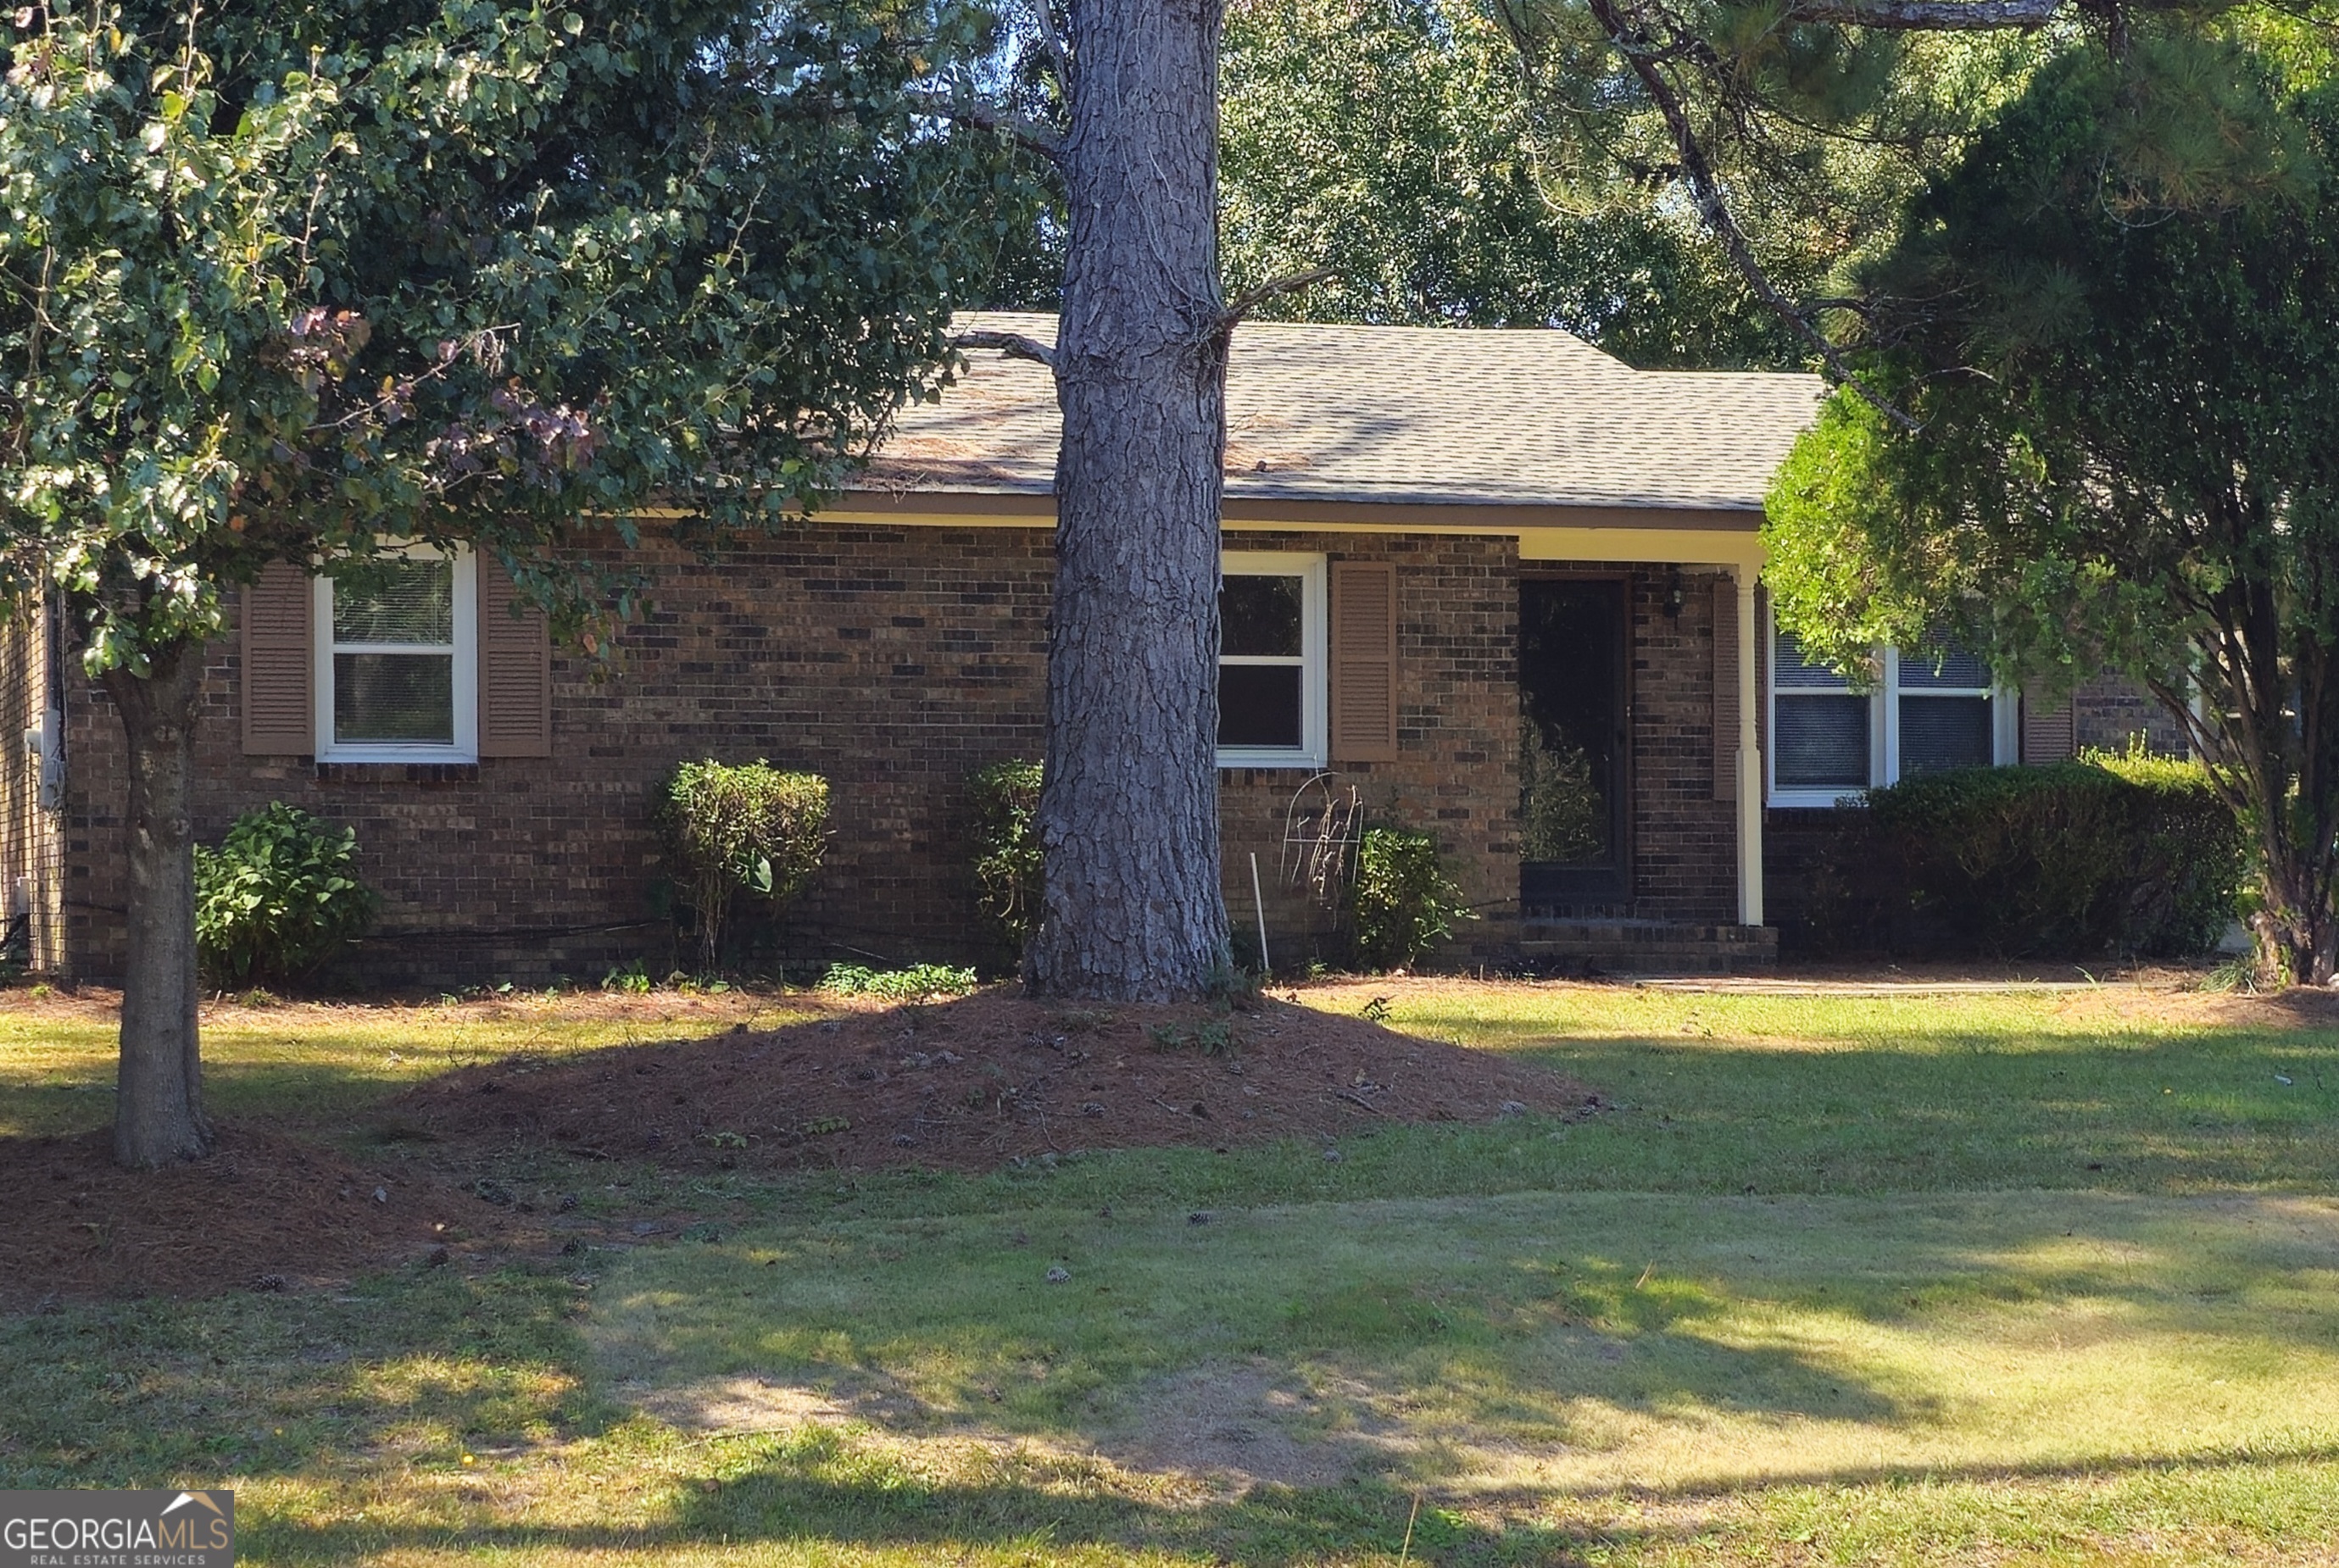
[(749, 828), (2133, 857)]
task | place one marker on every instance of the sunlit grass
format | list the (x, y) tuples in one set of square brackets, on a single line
[(308, 1062), (2013, 1278), (1576, 1342)]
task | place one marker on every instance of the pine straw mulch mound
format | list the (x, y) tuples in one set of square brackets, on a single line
[(963, 1085), (265, 1212), (974, 1083)]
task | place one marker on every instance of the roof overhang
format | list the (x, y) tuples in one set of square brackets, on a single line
[(1675, 536)]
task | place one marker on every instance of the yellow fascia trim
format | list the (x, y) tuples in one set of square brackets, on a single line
[(1607, 534), (1672, 546)]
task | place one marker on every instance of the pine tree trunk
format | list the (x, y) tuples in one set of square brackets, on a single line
[(1129, 803), (158, 1113)]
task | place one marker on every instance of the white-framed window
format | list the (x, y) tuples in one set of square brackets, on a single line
[(397, 661), (1271, 659), (1923, 711)]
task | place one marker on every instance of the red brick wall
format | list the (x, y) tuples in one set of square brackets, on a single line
[(894, 661), (1456, 771), (2108, 711), (1685, 841)]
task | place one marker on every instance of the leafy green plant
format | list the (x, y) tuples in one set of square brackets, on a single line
[(912, 984), (1403, 902), (631, 979), (746, 828), (1007, 862), (278, 897), (2116, 854), (1213, 1037)]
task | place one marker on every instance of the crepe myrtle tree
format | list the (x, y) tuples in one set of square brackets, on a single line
[(2115, 328), (279, 283)]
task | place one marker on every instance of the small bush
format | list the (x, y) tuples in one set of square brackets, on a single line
[(1007, 861), (2124, 856), (1403, 902), (278, 897), (915, 983), (750, 828)]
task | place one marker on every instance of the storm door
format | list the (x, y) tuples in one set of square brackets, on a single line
[(1575, 853)]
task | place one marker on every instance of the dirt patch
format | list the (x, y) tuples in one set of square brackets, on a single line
[(264, 1213), (974, 1083), (1231, 1425)]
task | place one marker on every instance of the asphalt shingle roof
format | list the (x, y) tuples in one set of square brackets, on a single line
[(1405, 415)]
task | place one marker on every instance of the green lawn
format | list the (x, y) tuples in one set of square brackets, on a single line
[(2022, 1276)]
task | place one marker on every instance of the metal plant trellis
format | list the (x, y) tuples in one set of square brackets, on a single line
[(1322, 827)]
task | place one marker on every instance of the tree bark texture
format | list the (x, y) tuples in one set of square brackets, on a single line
[(1129, 802), (2271, 696), (158, 1113)]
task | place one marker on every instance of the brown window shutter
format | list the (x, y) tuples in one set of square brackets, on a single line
[(1725, 688), (1363, 662), (515, 670), (2048, 733), (279, 711)]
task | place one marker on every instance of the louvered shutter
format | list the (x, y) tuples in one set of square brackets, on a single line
[(1725, 689), (514, 670), (2048, 732), (280, 713), (1363, 662)]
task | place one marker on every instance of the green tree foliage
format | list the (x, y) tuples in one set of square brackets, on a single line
[(279, 898), (750, 828), (1787, 137), (2116, 324), (276, 280), (1398, 143), (279, 278)]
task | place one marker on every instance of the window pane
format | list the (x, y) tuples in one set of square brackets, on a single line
[(1959, 668), (1258, 704), (394, 697), (1943, 733), (1259, 616), (1790, 670), (1822, 742), (410, 602)]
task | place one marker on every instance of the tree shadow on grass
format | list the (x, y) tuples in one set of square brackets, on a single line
[(814, 1488)]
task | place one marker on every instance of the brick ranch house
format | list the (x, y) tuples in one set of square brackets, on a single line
[(1457, 560)]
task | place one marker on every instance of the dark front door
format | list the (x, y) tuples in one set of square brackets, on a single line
[(1575, 853)]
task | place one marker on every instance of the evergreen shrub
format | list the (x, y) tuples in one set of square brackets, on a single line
[(2110, 855), (277, 898), (747, 828)]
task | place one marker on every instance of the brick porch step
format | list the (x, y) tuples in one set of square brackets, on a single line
[(1648, 947)]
